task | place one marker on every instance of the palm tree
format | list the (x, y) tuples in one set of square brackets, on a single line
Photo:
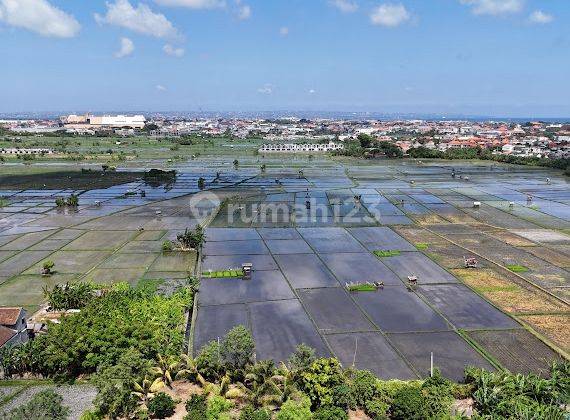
[(164, 370), (187, 368), (145, 390)]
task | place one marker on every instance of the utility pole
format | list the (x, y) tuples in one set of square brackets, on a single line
[(431, 365), (355, 350)]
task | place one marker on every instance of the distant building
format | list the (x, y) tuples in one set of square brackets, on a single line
[(300, 148), (105, 121), (13, 326)]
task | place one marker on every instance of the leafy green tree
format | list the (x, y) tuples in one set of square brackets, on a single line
[(438, 395), (237, 348), (365, 140), (296, 409), (319, 381), (302, 358), (196, 407)]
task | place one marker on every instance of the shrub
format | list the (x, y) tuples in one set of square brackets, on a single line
[(293, 409), (438, 395), (343, 397), (60, 202), (69, 296), (192, 239), (161, 406), (330, 413), (167, 246), (320, 379), (48, 265), (73, 200), (90, 415), (237, 348), (377, 409), (364, 387), (409, 404), (208, 361), (44, 405), (217, 407), (196, 407), (250, 413)]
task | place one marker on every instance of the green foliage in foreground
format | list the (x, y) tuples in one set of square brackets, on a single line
[(44, 405), (122, 319)]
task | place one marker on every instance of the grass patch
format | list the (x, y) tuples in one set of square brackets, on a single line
[(515, 268), (222, 274), (422, 246), (149, 284), (362, 288), (4, 202), (386, 253)]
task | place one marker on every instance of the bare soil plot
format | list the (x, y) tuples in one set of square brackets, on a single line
[(416, 235), (511, 238), (551, 256), (19, 262), (135, 247), (305, 271), (222, 262), (517, 350), (100, 240), (264, 285), (67, 234), (128, 261), (429, 219), (373, 353), (288, 246), (26, 241), (380, 238), (50, 245), (78, 262), (543, 235), (214, 322), (117, 275), (363, 267), (417, 264), (231, 234), (451, 256), (395, 309), (280, 326), (554, 327), (250, 247), (464, 308), (508, 295), (6, 254), (150, 235), (333, 310), (451, 354), (175, 261), (27, 291)]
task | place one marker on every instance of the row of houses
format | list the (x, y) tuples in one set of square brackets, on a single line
[(300, 148)]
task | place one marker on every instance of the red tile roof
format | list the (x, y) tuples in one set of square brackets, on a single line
[(5, 335), (9, 316)]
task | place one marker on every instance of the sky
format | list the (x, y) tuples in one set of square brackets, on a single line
[(506, 58)]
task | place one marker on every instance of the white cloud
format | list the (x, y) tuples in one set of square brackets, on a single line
[(284, 31), (173, 51), (312, 91), (390, 15), (267, 89), (345, 6), (39, 16), (244, 12), (127, 48), (160, 88), (540, 17), (193, 4), (140, 19), (494, 7)]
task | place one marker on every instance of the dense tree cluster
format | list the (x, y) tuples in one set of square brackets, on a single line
[(486, 154)]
